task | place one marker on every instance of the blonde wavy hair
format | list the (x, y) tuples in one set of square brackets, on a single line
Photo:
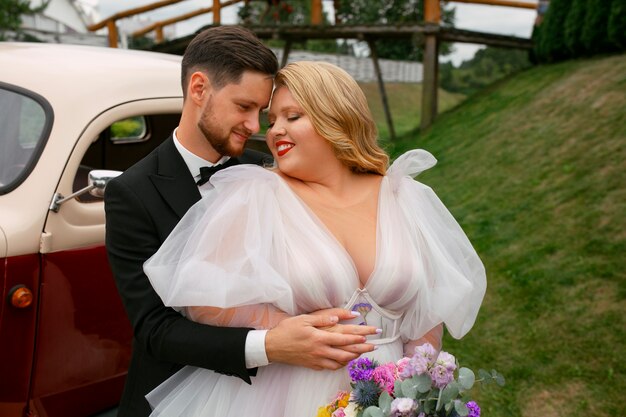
[(338, 111)]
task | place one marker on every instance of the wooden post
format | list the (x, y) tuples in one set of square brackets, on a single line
[(217, 12), (432, 15), (316, 12), (286, 52), (159, 34), (112, 27), (430, 81), (381, 88)]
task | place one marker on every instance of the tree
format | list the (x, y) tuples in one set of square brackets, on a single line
[(293, 12), (595, 34), (11, 12), (551, 42), (617, 25), (574, 23), (389, 12), (487, 66)]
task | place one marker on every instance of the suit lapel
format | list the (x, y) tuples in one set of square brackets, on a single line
[(173, 179)]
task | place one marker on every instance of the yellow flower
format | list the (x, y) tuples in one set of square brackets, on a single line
[(324, 412), (343, 401)]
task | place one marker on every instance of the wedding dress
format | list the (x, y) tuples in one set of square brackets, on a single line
[(252, 243)]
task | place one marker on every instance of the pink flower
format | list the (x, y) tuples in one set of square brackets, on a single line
[(385, 375), (339, 413), (401, 364)]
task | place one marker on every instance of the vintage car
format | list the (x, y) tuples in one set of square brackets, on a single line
[(70, 117)]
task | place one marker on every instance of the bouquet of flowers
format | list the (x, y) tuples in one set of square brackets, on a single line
[(425, 385)]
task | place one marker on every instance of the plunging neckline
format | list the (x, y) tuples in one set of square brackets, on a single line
[(325, 230)]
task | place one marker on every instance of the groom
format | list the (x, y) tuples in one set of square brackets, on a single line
[(227, 78)]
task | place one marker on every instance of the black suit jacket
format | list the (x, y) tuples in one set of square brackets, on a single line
[(142, 207)]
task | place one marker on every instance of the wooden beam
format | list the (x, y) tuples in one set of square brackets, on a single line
[(507, 3), (361, 32), (180, 18), (381, 89), (131, 12)]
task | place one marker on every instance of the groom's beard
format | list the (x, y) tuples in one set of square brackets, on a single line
[(218, 138)]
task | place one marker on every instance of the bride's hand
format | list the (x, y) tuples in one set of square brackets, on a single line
[(302, 341)]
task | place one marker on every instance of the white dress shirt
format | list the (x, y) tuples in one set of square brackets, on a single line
[(255, 340)]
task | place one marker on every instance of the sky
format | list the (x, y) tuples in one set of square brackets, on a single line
[(482, 18)]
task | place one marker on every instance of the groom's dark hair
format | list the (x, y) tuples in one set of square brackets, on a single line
[(223, 53)]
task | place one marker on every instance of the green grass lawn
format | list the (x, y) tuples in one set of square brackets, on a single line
[(534, 169), (405, 103)]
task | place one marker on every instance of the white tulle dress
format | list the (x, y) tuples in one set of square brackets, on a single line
[(252, 242)]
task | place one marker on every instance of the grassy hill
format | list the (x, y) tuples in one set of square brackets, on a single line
[(534, 169)]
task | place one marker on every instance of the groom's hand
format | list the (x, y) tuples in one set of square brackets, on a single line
[(317, 341)]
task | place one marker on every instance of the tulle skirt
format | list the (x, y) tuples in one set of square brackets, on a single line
[(277, 390)]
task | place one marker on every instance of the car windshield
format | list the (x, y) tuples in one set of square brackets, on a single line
[(24, 125)]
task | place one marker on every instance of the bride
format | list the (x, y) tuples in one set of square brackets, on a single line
[(329, 226)]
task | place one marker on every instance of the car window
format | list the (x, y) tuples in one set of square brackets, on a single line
[(133, 129), (122, 144), (25, 121)]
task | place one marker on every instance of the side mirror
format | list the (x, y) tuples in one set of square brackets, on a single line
[(97, 180)]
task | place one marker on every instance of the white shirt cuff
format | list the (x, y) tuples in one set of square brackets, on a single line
[(255, 349)]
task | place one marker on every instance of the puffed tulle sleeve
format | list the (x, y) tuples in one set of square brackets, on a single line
[(448, 279), (219, 253)]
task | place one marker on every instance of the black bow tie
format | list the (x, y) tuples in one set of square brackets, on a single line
[(207, 172)]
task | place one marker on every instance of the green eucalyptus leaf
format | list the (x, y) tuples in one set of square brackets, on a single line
[(409, 388), (460, 408), (466, 378), (485, 376), (384, 402), (448, 394), (449, 408), (424, 383), (429, 407), (397, 389), (373, 411), (500, 380)]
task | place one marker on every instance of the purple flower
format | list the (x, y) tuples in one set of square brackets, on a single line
[(426, 351), (417, 365), (441, 375), (361, 369), (447, 360), (474, 409)]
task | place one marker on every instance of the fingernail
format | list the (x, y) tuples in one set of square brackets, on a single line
[(375, 347), (355, 313), (379, 331), (334, 319)]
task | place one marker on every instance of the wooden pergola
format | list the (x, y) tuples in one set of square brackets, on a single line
[(430, 32)]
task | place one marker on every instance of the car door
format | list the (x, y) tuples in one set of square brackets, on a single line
[(83, 336)]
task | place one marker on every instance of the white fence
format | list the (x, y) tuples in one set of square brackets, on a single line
[(362, 69)]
